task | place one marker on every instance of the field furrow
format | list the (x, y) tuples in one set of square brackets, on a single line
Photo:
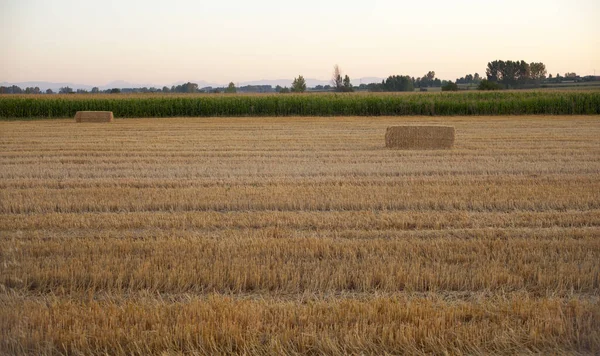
[(299, 236)]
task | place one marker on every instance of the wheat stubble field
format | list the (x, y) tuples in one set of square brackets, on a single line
[(299, 235)]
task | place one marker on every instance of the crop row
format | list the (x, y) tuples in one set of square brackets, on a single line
[(493, 103)]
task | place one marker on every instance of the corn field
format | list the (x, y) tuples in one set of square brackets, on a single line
[(356, 104)]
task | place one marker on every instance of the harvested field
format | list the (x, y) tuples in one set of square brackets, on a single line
[(299, 235)]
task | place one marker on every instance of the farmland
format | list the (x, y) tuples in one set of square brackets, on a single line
[(535, 102), (292, 235)]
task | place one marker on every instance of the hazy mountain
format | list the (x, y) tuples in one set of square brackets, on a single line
[(123, 84), (48, 85), (201, 84), (310, 82)]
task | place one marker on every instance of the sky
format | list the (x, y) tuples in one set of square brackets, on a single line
[(162, 42)]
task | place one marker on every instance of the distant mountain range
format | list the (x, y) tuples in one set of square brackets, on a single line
[(310, 82)]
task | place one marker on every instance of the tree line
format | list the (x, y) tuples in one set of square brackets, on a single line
[(499, 74)]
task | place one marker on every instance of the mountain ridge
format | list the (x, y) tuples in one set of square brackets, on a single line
[(55, 86)]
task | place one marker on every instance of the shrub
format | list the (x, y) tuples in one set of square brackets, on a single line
[(450, 86), (489, 85)]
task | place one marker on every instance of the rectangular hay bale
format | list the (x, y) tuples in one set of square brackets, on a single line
[(426, 137), (94, 116)]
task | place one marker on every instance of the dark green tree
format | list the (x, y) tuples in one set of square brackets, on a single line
[(65, 90), (299, 85), (231, 89), (398, 83), (347, 85)]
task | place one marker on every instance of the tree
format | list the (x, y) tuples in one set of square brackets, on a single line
[(524, 72), (428, 80), (396, 83), (537, 71), (299, 85), (65, 90), (231, 89), (509, 73), (284, 90), (95, 90), (376, 87), (336, 78), (450, 86), (165, 89), (49, 91), (115, 91), (347, 85), (188, 87), (493, 71)]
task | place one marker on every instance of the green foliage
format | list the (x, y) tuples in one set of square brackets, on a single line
[(488, 85), (428, 80), (65, 90), (450, 86), (231, 89), (115, 91), (299, 85), (398, 83), (347, 85), (462, 103), (515, 74)]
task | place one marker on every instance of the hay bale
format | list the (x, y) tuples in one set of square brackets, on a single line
[(419, 137), (94, 116)]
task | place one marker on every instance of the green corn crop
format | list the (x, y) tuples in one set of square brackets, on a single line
[(352, 104)]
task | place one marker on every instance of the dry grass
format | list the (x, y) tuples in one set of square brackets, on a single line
[(420, 137), (299, 236)]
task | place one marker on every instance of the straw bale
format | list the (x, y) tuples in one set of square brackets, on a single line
[(419, 137), (94, 116)]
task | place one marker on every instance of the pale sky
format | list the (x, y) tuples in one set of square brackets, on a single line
[(161, 42)]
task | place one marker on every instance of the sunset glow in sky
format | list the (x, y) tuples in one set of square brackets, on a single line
[(161, 42)]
